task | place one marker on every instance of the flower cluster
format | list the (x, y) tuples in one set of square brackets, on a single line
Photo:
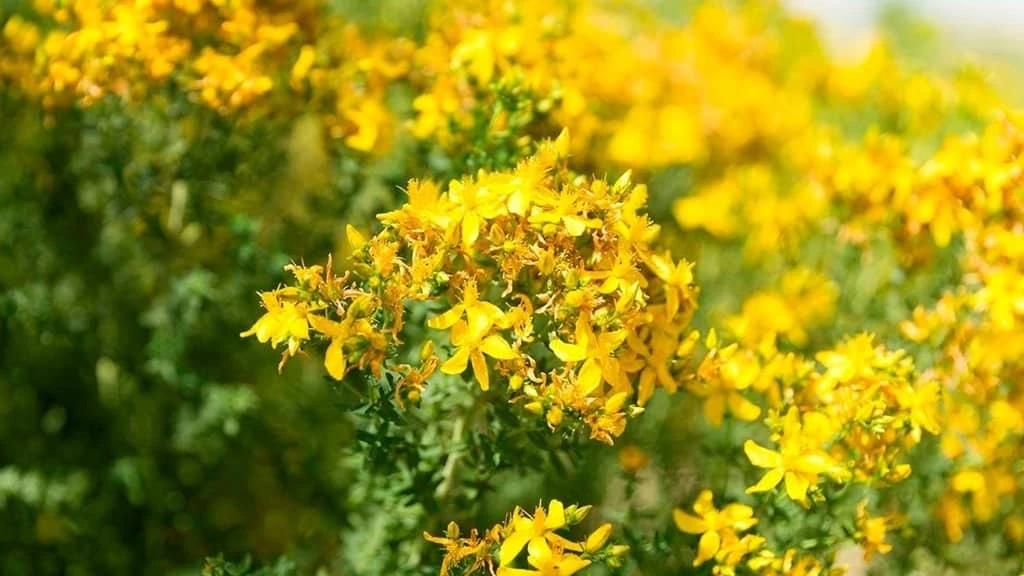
[(239, 58), (850, 415), (542, 278), (975, 329), (540, 535), (662, 96), (720, 542)]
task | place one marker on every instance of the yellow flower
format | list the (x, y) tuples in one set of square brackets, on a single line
[(854, 358), (562, 208), (722, 377), (476, 311), (472, 341), (713, 525), (768, 563), (282, 321), (922, 402), (474, 205), (733, 550), (678, 279), (871, 532), (799, 461), (597, 354), (456, 549), (369, 117), (651, 361), (633, 458), (987, 488), (548, 562), (534, 533)]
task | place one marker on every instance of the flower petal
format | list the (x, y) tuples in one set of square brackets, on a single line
[(538, 549), (496, 347), (476, 358), (568, 352), (742, 408), (457, 363), (334, 360), (769, 481), (445, 320), (589, 377), (707, 547), (688, 523), (512, 546), (796, 486), (571, 564), (556, 515), (470, 229), (705, 503), (714, 409), (760, 456)]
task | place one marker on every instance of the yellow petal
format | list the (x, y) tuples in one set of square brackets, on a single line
[(457, 363), (325, 326), (355, 237), (791, 423), (538, 549), (571, 564), (598, 538), (478, 325), (269, 327), (615, 402), (738, 512), (480, 370), (489, 310), (574, 225), (270, 301), (760, 456), (568, 352), (334, 360), (299, 328), (512, 546), (705, 503), (769, 481), (506, 571), (623, 180), (689, 523), (646, 387), (589, 377), (556, 515), (662, 267), (445, 320), (254, 329), (742, 408), (470, 229), (714, 409), (565, 543), (562, 143), (496, 347), (707, 547), (813, 464), (796, 486)]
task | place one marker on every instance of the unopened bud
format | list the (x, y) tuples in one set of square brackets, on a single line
[(598, 538)]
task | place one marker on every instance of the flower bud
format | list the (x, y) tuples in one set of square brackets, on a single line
[(598, 538)]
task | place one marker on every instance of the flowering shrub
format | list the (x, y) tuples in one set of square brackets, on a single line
[(645, 289)]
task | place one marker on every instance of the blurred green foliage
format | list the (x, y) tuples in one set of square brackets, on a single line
[(137, 434)]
